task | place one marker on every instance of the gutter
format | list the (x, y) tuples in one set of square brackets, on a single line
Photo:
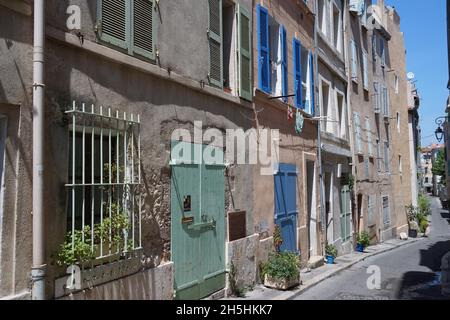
[(38, 271)]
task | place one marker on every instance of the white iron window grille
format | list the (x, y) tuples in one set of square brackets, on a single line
[(104, 198)]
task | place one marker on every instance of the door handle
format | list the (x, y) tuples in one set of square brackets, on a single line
[(206, 224)]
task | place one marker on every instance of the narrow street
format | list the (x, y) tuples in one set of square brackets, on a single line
[(410, 272)]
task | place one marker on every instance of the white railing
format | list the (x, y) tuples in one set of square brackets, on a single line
[(105, 202)]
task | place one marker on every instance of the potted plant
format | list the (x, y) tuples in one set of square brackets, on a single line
[(362, 241), (282, 271), (77, 248), (331, 253)]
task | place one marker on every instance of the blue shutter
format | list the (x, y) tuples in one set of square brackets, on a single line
[(297, 52), (284, 59), (286, 213), (311, 70), (263, 49)]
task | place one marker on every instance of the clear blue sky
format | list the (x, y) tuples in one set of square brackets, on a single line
[(425, 28)]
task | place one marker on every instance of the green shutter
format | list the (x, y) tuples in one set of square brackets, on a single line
[(143, 28), (245, 60), (215, 43), (113, 19)]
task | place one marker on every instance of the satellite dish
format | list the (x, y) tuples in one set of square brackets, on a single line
[(410, 76)]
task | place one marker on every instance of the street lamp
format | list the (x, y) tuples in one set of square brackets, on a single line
[(439, 131)]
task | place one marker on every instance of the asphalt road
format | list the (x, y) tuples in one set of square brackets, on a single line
[(407, 273)]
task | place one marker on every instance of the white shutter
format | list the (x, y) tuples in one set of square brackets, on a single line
[(366, 72), (357, 133), (369, 137)]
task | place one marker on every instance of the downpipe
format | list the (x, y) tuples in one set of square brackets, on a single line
[(38, 271)]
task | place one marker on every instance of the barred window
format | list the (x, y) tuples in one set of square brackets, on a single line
[(104, 179)]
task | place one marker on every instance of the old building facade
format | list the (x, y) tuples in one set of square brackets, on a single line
[(146, 186)]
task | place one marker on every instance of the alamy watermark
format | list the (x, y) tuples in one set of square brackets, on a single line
[(254, 146)]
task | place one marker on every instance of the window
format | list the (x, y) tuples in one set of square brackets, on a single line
[(306, 79), (104, 181), (396, 84), (365, 72), (128, 25), (326, 108), (337, 28), (342, 115), (367, 167), (354, 60), (230, 33), (323, 13), (358, 141), (386, 213), (369, 137), (398, 122), (376, 97), (385, 102), (379, 157), (371, 211), (298, 82), (382, 52), (278, 59), (386, 157)]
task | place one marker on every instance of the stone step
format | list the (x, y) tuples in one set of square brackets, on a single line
[(315, 262)]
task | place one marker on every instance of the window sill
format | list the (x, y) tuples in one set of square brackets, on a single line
[(100, 275), (19, 6)]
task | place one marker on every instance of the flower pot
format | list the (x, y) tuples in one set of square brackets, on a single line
[(330, 260), (278, 284), (412, 233), (359, 248)]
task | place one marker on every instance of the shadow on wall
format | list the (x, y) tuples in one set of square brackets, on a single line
[(417, 285)]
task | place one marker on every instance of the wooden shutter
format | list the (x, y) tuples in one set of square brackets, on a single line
[(366, 72), (245, 45), (354, 61), (143, 28), (357, 132), (376, 97), (263, 49), (284, 70), (215, 43), (369, 137), (297, 54), (311, 74), (346, 213), (113, 21)]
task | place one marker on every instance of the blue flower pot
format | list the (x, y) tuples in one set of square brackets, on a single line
[(330, 260), (359, 248)]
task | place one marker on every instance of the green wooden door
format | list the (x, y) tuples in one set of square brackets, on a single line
[(346, 213), (198, 222)]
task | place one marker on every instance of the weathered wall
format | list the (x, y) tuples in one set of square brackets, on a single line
[(294, 149), (152, 284), (399, 102), (93, 74), (15, 104)]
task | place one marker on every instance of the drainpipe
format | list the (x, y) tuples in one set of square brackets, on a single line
[(38, 270), (319, 130)]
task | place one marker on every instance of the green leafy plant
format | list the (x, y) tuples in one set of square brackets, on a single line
[(331, 250), (277, 238), (111, 231), (424, 205), (76, 249), (423, 225), (235, 289), (283, 266), (363, 239)]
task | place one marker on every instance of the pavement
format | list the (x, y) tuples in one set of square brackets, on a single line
[(409, 269)]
